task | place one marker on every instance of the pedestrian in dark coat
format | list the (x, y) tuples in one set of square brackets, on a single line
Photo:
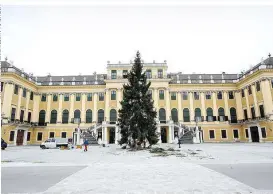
[(85, 145)]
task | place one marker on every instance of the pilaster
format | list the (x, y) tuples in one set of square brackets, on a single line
[(27, 103), (227, 112), (239, 107), (247, 103), (48, 108), (180, 109), (8, 92), (83, 111), (71, 110), (267, 96), (257, 111), (95, 112), (18, 110), (215, 111), (60, 108), (191, 106)]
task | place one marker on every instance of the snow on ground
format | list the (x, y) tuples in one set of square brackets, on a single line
[(120, 171)]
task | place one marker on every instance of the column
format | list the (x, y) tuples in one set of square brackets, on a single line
[(25, 137), (203, 105), (95, 111), (168, 109), (227, 113), (18, 110), (215, 111), (83, 111), (7, 98), (60, 108), (48, 112), (15, 137), (159, 133), (239, 107), (155, 96), (71, 110), (260, 134), (267, 96), (180, 111), (36, 104), (105, 135), (257, 111), (191, 106), (119, 98), (247, 103), (116, 135), (106, 109), (249, 135), (27, 102)]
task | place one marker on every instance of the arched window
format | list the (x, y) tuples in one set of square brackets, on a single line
[(53, 116), (233, 115), (42, 117), (88, 116), (162, 114), (100, 116), (77, 114), (221, 112), (113, 115), (186, 115), (197, 114), (209, 114), (174, 115), (65, 116)]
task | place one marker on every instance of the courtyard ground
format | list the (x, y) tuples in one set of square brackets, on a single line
[(193, 168)]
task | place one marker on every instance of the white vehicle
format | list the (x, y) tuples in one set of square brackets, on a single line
[(54, 143)]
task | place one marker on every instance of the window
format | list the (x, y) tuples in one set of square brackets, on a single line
[(261, 107), (114, 74), (78, 97), (113, 115), (88, 116), (43, 98), (160, 73), (174, 115), (39, 136), (31, 95), (125, 74), (196, 95), (197, 112), (16, 89), (221, 113), (162, 114), (249, 90), (245, 114), (186, 115), (101, 96), (65, 116), (258, 88), (113, 95), (230, 95), (246, 132), (211, 134), (253, 113), (149, 73), (263, 132), (233, 115), (22, 116), (63, 134), (89, 97), (24, 92), (13, 112), (219, 95), (51, 134), (208, 96), (28, 136), (224, 134), (77, 114), (66, 97), (235, 133), (53, 117), (55, 97), (173, 96), (242, 93), (150, 92), (42, 117), (11, 136), (185, 96), (209, 114), (2, 86), (161, 94), (29, 117), (100, 116)]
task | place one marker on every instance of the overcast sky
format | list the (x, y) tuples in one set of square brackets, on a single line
[(68, 40)]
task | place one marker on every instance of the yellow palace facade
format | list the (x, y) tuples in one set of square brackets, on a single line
[(224, 107)]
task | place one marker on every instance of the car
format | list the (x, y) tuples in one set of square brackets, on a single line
[(3, 144)]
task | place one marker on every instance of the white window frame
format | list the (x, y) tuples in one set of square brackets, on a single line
[(214, 134), (238, 133), (226, 134)]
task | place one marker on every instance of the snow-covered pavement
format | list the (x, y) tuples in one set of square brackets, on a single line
[(113, 170)]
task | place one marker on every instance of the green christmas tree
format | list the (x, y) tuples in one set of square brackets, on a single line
[(137, 115)]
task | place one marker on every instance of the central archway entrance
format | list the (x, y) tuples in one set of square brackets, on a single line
[(163, 135), (20, 137), (254, 134), (112, 135)]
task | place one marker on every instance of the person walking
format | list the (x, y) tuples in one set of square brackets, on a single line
[(85, 145)]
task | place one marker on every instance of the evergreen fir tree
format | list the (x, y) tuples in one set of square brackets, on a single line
[(137, 115)]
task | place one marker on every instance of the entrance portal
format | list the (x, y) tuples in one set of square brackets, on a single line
[(163, 135), (112, 136), (20, 137), (254, 134)]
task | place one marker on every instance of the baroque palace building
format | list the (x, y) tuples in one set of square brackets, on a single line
[(224, 107)]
